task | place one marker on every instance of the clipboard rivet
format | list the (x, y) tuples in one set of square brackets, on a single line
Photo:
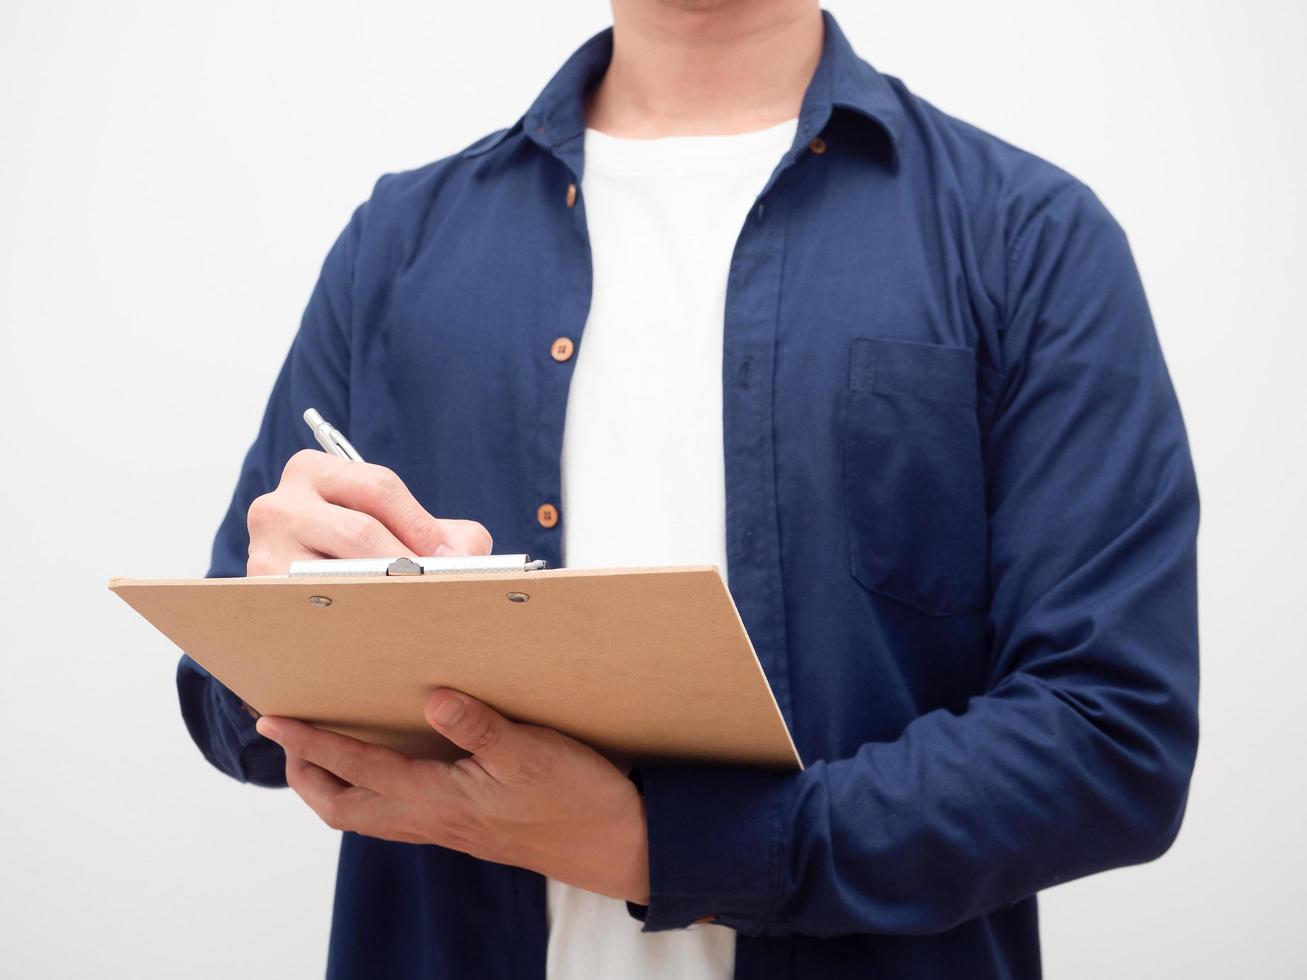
[(511, 597), (321, 601)]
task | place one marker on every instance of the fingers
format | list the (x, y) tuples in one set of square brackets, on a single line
[(356, 763), (322, 791), (272, 546), (462, 537), (329, 529), (340, 807), (378, 492), (286, 528), (274, 557), (496, 742)]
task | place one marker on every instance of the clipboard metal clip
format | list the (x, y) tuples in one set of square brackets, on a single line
[(407, 566), (404, 567)]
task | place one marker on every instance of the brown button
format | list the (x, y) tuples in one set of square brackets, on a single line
[(561, 349), (818, 145), (571, 195), (704, 920), (547, 515)]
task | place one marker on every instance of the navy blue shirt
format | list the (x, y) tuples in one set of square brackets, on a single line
[(961, 523)]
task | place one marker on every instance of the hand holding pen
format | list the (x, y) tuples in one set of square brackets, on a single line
[(334, 505)]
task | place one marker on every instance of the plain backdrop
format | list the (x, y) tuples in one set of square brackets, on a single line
[(171, 175)]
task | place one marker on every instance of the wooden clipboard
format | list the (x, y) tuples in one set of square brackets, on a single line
[(641, 664)]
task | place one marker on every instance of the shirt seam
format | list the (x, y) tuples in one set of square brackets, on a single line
[(1022, 236)]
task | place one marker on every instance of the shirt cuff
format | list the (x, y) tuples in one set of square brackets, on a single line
[(224, 730), (717, 845)]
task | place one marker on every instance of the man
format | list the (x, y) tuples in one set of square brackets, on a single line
[(725, 293)]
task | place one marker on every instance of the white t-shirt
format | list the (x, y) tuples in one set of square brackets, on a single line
[(644, 479)]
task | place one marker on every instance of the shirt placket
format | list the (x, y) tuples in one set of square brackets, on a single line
[(753, 293), (571, 307)]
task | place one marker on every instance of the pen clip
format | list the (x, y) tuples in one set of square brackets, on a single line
[(331, 439)]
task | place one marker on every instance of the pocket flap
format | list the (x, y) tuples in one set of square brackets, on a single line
[(907, 367)]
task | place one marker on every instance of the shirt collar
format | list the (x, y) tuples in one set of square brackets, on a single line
[(556, 120)]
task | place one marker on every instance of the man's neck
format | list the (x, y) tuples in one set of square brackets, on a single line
[(697, 69)]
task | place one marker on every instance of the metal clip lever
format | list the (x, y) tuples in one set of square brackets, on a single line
[(404, 566)]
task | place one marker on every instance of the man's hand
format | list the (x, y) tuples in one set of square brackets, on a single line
[(527, 796), (327, 507)]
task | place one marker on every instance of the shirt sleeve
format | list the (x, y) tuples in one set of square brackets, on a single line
[(316, 373), (1077, 756)]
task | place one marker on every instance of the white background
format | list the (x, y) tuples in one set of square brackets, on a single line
[(171, 175)]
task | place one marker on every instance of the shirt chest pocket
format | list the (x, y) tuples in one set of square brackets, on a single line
[(914, 483)]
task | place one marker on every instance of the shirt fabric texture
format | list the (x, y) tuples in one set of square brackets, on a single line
[(644, 479), (960, 529)]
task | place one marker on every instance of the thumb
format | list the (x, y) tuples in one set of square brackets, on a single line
[(473, 726)]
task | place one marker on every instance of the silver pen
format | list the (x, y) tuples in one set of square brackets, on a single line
[(330, 438)]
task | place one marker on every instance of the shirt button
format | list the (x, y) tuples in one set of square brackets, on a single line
[(704, 920), (571, 195), (818, 145), (547, 515), (561, 349)]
